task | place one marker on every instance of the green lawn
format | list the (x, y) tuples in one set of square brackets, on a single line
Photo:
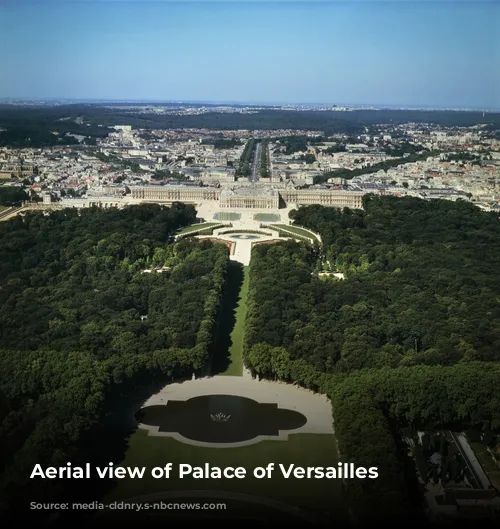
[(2, 208), (300, 449), (235, 367), (320, 496), (294, 229), (196, 227)]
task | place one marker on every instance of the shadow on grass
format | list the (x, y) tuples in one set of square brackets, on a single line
[(100, 444), (222, 355)]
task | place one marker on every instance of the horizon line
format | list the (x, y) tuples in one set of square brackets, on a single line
[(407, 106)]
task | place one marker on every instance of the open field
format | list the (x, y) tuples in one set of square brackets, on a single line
[(300, 449)]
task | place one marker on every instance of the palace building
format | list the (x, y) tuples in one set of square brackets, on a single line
[(249, 197), (323, 197), (180, 193)]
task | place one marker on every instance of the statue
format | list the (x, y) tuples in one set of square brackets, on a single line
[(220, 417)]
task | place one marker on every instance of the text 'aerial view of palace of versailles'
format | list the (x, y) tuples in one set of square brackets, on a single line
[(231, 308)]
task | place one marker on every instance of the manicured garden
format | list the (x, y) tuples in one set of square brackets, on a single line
[(197, 227)]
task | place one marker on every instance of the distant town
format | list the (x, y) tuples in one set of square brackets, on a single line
[(255, 169), (197, 107)]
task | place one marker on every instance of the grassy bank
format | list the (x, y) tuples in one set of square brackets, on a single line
[(228, 358), (300, 449)]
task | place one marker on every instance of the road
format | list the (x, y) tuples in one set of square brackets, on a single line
[(255, 169)]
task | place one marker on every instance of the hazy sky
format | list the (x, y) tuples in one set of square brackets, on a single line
[(394, 52)]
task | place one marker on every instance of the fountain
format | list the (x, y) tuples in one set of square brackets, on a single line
[(220, 417)]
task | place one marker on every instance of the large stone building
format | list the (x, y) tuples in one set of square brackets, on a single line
[(181, 193), (249, 197), (18, 170), (324, 197)]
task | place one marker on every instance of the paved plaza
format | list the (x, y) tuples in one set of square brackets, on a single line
[(208, 211), (241, 250)]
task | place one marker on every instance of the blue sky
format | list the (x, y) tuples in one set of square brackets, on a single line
[(401, 52)]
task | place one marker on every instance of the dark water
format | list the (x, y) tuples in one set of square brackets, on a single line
[(220, 418)]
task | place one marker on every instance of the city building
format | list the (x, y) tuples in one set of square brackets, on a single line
[(180, 193)]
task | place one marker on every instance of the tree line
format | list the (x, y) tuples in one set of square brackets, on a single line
[(89, 307), (34, 126), (365, 405), (243, 169), (410, 335), (12, 196), (264, 159), (419, 287), (222, 143)]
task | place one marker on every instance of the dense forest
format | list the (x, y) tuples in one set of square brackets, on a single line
[(34, 126), (419, 287), (409, 338), (96, 302), (293, 144), (367, 403), (45, 126), (90, 304), (34, 136), (222, 143), (12, 196)]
